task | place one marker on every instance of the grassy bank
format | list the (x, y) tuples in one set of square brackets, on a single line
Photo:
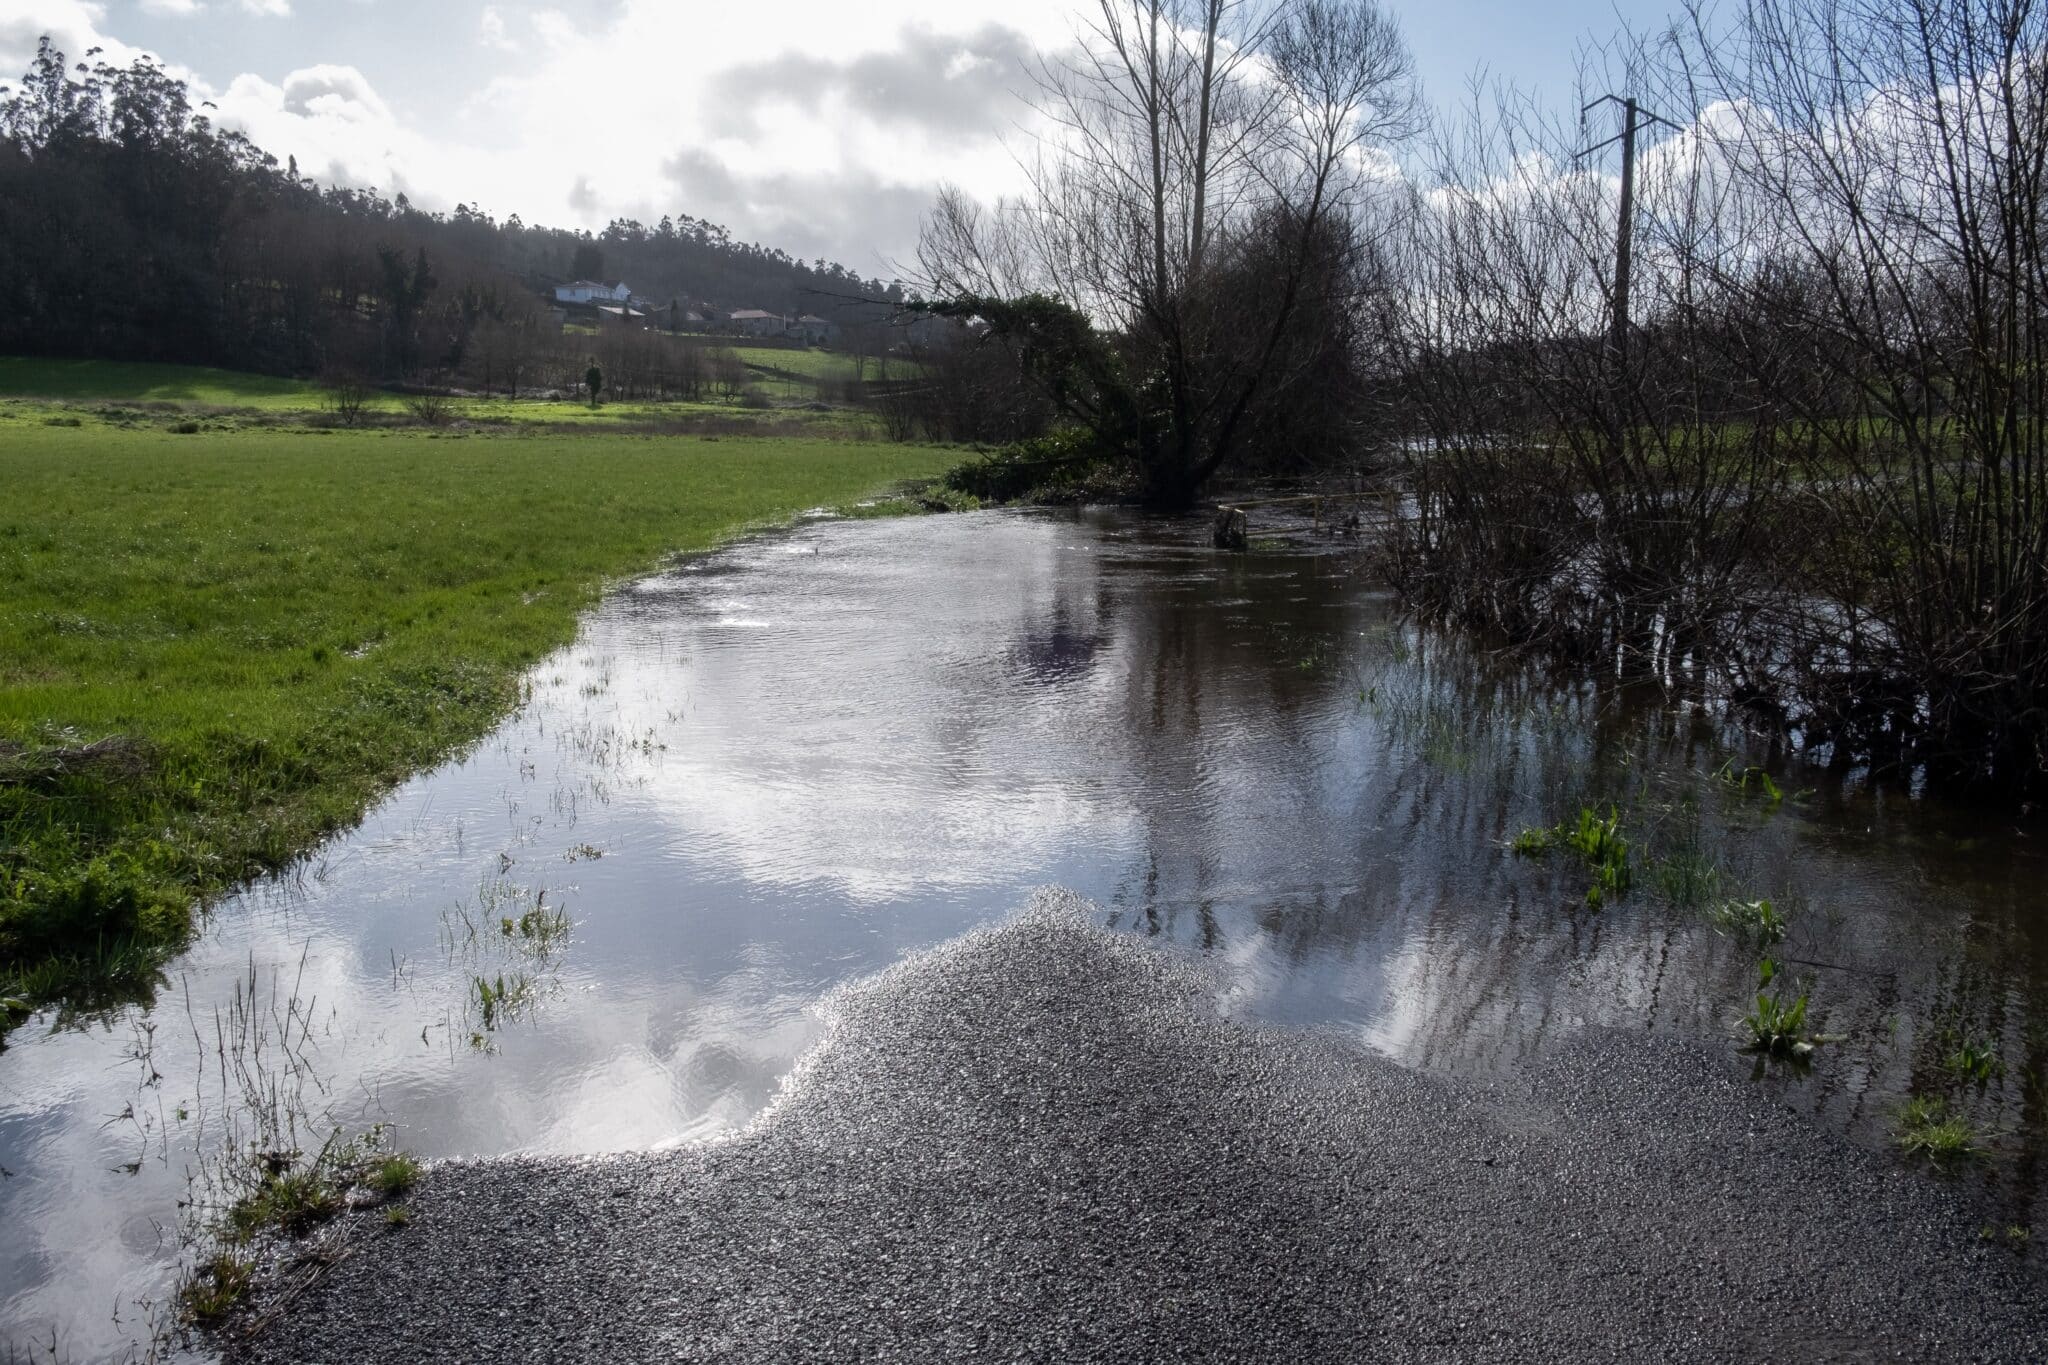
[(217, 648), (119, 393)]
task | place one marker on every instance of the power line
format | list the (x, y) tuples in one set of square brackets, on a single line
[(1634, 118)]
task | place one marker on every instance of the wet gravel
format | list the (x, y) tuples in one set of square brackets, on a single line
[(1039, 1143)]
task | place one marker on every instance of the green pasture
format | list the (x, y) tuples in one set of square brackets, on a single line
[(217, 648), (139, 383)]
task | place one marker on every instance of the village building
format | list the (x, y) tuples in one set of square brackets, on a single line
[(816, 331), (593, 291), (754, 322)]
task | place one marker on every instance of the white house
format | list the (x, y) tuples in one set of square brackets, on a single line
[(592, 291), (816, 331)]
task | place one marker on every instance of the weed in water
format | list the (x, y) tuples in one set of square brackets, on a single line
[(538, 928), (1758, 921), (1688, 879), (291, 1198), (1973, 1063), (1777, 1026), (1599, 843), (1757, 783), (1927, 1128), (499, 999), (212, 1291)]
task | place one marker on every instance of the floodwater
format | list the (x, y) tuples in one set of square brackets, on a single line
[(783, 767)]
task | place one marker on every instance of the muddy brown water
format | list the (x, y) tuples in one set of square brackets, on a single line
[(781, 768)]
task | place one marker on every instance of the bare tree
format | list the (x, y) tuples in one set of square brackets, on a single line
[(1188, 142), (1890, 158), (348, 395)]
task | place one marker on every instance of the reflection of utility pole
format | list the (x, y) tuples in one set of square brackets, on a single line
[(1634, 116)]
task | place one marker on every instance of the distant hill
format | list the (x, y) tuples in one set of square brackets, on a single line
[(131, 228)]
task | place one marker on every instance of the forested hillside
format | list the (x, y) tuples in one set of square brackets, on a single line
[(131, 227)]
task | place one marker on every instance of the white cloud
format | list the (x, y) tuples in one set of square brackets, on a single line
[(337, 126), (556, 29), (826, 132), (491, 28), (274, 9), (73, 25), (177, 8)]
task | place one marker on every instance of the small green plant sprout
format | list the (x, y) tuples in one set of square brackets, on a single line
[(211, 1292), (397, 1216), (499, 999), (1757, 920), (538, 927), (1926, 1128), (1755, 782), (1777, 1027), (1973, 1063), (1599, 843)]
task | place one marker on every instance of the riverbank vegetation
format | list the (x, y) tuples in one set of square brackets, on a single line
[(1777, 441), (1807, 470), (216, 649)]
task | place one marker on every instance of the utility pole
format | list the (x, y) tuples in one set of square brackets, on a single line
[(1634, 118)]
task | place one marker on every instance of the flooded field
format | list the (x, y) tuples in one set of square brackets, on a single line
[(780, 769)]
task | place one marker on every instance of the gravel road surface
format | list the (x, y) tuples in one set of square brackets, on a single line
[(1040, 1143)]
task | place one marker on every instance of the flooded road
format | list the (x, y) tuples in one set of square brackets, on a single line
[(780, 769)]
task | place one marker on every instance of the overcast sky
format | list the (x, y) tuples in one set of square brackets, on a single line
[(818, 127)]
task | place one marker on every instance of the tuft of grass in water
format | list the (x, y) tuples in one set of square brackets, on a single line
[(1759, 921), (1973, 1062), (1776, 1027), (1599, 844), (919, 498), (292, 1199), (1928, 1129), (1688, 879), (539, 928), (211, 1292), (500, 999), (215, 652), (1752, 781), (284, 1194)]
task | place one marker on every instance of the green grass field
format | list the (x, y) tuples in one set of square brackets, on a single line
[(217, 648), (822, 365), (122, 392), (124, 381)]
